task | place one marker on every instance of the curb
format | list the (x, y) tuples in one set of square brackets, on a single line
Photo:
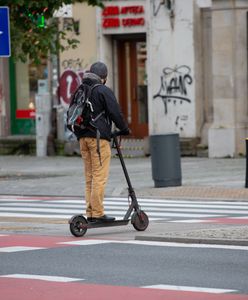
[(187, 240)]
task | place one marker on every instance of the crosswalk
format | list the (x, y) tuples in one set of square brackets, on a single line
[(187, 211)]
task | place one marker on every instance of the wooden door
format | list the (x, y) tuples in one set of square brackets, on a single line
[(133, 85)]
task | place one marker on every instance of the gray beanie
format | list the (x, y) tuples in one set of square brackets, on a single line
[(99, 69)]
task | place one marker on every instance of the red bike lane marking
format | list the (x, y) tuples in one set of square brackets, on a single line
[(15, 289), (35, 241), (227, 220)]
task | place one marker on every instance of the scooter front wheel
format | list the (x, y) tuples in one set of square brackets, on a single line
[(78, 225), (140, 220)]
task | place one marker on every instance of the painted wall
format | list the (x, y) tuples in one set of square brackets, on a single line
[(230, 110), (74, 62), (171, 61), (106, 46)]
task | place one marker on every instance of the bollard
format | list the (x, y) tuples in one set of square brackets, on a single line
[(246, 176)]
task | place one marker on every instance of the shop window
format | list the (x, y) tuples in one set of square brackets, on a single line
[(26, 77)]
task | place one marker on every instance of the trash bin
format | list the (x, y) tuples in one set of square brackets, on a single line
[(166, 160)]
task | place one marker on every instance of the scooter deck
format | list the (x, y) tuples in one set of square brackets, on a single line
[(106, 224)]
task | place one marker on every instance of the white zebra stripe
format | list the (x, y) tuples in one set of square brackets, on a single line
[(42, 277), (189, 289), (151, 207)]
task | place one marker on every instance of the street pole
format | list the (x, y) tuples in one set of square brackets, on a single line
[(246, 177)]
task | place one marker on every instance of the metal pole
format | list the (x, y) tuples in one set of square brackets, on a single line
[(246, 177)]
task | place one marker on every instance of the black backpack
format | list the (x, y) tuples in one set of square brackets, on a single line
[(80, 112)]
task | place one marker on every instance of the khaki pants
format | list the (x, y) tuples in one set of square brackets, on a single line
[(96, 174)]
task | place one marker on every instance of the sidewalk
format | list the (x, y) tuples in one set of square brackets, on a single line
[(202, 179)]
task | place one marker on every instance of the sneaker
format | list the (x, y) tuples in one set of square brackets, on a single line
[(90, 219), (103, 218)]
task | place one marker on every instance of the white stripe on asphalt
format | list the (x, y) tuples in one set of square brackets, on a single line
[(113, 199), (188, 221), (186, 245), (154, 243), (117, 212), (19, 248), (59, 216), (188, 289), (86, 242), (23, 215), (42, 277), (46, 206)]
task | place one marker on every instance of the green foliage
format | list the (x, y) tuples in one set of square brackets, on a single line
[(33, 30)]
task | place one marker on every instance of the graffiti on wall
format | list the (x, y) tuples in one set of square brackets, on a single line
[(174, 86), (70, 79)]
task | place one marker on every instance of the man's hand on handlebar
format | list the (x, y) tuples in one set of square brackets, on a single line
[(120, 132)]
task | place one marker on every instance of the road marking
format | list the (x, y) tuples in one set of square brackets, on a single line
[(42, 277), (187, 245), (115, 212), (188, 289), (173, 202), (155, 243), (23, 215), (19, 248), (62, 208), (86, 242), (188, 221), (153, 207)]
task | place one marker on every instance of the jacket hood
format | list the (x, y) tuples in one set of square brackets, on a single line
[(91, 78)]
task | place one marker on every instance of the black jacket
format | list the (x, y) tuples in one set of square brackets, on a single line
[(103, 99)]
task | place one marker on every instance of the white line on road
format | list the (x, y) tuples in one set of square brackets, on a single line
[(42, 277), (186, 245), (188, 289), (154, 243), (152, 206), (18, 249), (86, 242), (58, 216), (115, 212), (174, 202), (23, 215)]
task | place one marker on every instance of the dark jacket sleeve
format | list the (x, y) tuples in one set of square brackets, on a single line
[(104, 100), (113, 110)]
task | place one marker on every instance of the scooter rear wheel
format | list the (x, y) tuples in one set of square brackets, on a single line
[(140, 221), (77, 226)]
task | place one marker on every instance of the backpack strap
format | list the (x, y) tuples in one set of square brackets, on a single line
[(98, 134)]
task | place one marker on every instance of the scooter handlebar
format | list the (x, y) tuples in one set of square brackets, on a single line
[(120, 132)]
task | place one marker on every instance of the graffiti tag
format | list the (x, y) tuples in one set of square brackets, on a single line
[(174, 83)]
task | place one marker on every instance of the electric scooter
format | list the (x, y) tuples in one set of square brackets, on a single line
[(139, 219)]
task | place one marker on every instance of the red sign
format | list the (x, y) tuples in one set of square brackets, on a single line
[(25, 113), (68, 83), (110, 11), (111, 22), (138, 9), (133, 22), (112, 16)]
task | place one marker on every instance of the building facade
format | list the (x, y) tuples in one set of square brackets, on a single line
[(175, 66)]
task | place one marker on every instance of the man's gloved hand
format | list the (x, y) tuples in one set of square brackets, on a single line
[(125, 131)]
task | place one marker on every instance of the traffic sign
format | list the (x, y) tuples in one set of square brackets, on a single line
[(4, 32)]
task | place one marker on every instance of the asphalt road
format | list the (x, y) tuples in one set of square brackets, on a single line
[(214, 269)]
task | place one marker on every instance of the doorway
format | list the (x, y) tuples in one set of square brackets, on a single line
[(132, 78)]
